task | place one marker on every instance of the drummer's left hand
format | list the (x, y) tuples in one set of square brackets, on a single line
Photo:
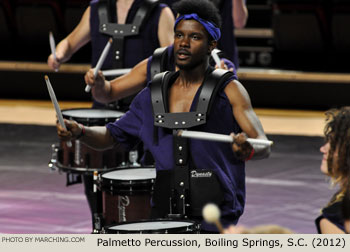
[(90, 80), (73, 130)]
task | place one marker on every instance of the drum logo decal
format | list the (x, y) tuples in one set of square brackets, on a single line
[(123, 202)]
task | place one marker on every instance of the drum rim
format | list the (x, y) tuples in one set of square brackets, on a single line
[(75, 169), (128, 181), (92, 121), (127, 187)]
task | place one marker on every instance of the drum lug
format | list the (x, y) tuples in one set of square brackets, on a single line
[(77, 153), (133, 156), (54, 154), (97, 223)]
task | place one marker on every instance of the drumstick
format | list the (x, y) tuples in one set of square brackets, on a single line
[(219, 137), (116, 72), (214, 54), (57, 107), (211, 214), (100, 61), (53, 47)]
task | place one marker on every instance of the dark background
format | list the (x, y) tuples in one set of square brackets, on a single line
[(298, 35)]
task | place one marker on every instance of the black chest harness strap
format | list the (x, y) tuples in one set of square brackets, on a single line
[(180, 185), (159, 61), (106, 14)]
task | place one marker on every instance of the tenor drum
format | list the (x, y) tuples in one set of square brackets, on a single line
[(155, 227), (80, 158), (126, 194)]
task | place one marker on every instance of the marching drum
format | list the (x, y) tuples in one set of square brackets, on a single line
[(80, 158), (155, 227), (126, 194)]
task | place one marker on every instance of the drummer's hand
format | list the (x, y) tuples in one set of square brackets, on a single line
[(223, 66), (241, 147), (53, 63), (73, 130), (90, 80)]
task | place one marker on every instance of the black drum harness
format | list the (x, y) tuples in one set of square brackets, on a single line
[(183, 202), (106, 10)]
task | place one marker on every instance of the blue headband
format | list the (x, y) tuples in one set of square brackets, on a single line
[(212, 30)]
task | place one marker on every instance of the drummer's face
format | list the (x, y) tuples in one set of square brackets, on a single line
[(190, 44)]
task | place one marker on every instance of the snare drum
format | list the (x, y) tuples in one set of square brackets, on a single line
[(155, 227), (80, 158), (126, 194)]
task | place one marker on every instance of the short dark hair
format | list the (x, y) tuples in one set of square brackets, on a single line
[(205, 9)]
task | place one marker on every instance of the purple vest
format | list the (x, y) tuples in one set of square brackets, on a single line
[(138, 123)]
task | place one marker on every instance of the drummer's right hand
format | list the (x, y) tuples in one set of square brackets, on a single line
[(90, 79), (73, 130), (53, 63)]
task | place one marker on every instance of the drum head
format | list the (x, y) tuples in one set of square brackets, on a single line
[(157, 226), (92, 117), (128, 181), (134, 174)]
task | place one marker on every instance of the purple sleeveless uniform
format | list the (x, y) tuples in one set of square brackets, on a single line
[(138, 123)]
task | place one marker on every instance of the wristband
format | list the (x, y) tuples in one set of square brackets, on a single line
[(250, 155)]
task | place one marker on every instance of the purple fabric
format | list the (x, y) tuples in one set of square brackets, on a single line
[(227, 43), (138, 123), (211, 29)]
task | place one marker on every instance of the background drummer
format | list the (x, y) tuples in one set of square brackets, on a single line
[(156, 32), (232, 112)]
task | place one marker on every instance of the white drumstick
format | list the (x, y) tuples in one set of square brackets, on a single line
[(214, 54), (211, 214), (57, 107), (53, 47), (116, 72), (100, 61), (219, 137)]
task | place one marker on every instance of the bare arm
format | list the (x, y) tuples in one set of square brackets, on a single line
[(239, 13), (98, 138), (328, 227), (72, 43), (247, 120), (166, 27), (107, 91)]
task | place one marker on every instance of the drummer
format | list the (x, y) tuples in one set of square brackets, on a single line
[(155, 31), (196, 34)]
